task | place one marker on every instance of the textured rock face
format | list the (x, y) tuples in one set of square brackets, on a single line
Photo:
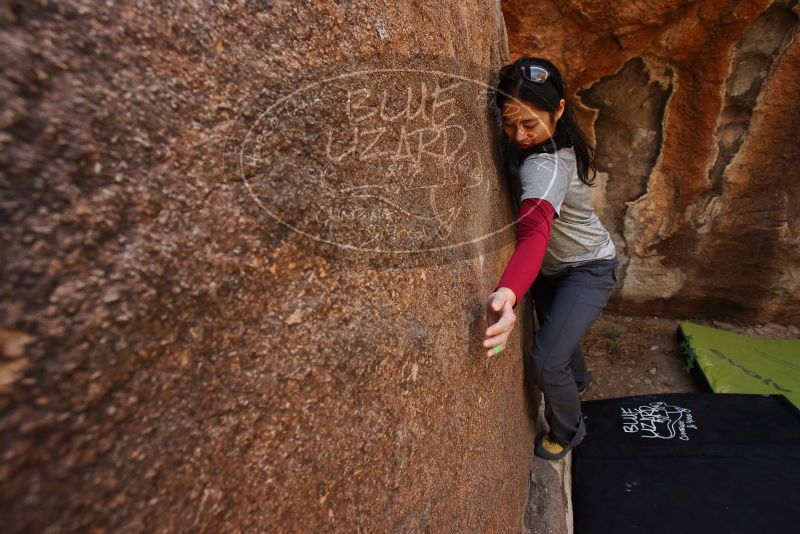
[(176, 354), (693, 107)]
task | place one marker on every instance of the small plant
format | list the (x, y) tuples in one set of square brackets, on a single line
[(688, 354), (613, 344)]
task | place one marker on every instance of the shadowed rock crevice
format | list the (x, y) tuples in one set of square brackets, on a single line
[(628, 129), (752, 62)]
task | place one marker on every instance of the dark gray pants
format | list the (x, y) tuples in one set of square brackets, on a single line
[(566, 305)]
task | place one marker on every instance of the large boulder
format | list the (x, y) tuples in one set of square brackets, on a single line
[(693, 108), (211, 321)]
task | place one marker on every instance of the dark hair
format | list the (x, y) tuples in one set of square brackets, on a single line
[(568, 132)]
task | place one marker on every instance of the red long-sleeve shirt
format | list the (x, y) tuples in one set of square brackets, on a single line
[(533, 232)]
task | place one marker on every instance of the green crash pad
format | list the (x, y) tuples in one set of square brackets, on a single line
[(733, 363)]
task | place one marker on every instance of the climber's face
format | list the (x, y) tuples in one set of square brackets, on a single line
[(526, 125)]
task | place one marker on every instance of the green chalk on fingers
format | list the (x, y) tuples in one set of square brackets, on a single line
[(496, 349)]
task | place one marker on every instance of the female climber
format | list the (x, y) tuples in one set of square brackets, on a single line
[(563, 252)]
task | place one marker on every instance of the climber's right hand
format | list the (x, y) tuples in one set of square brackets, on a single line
[(500, 319)]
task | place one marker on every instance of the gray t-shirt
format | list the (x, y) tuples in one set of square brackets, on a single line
[(577, 235)]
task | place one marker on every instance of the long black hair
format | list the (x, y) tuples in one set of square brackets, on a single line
[(568, 132)]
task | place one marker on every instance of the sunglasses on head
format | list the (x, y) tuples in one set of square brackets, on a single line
[(532, 73)]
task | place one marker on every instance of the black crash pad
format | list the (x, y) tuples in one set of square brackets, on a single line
[(688, 463)]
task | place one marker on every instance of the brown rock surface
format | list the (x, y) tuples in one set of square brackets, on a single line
[(175, 355), (693, 107)]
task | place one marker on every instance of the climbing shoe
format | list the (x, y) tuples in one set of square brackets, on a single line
[(586, 387), (550, 448)]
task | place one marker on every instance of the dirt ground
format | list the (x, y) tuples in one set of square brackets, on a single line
[(641, 355)]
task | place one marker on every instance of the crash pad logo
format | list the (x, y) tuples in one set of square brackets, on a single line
[(658, 420)]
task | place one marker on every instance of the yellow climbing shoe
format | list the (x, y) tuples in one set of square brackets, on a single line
[(550, 448), (583, 390)]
